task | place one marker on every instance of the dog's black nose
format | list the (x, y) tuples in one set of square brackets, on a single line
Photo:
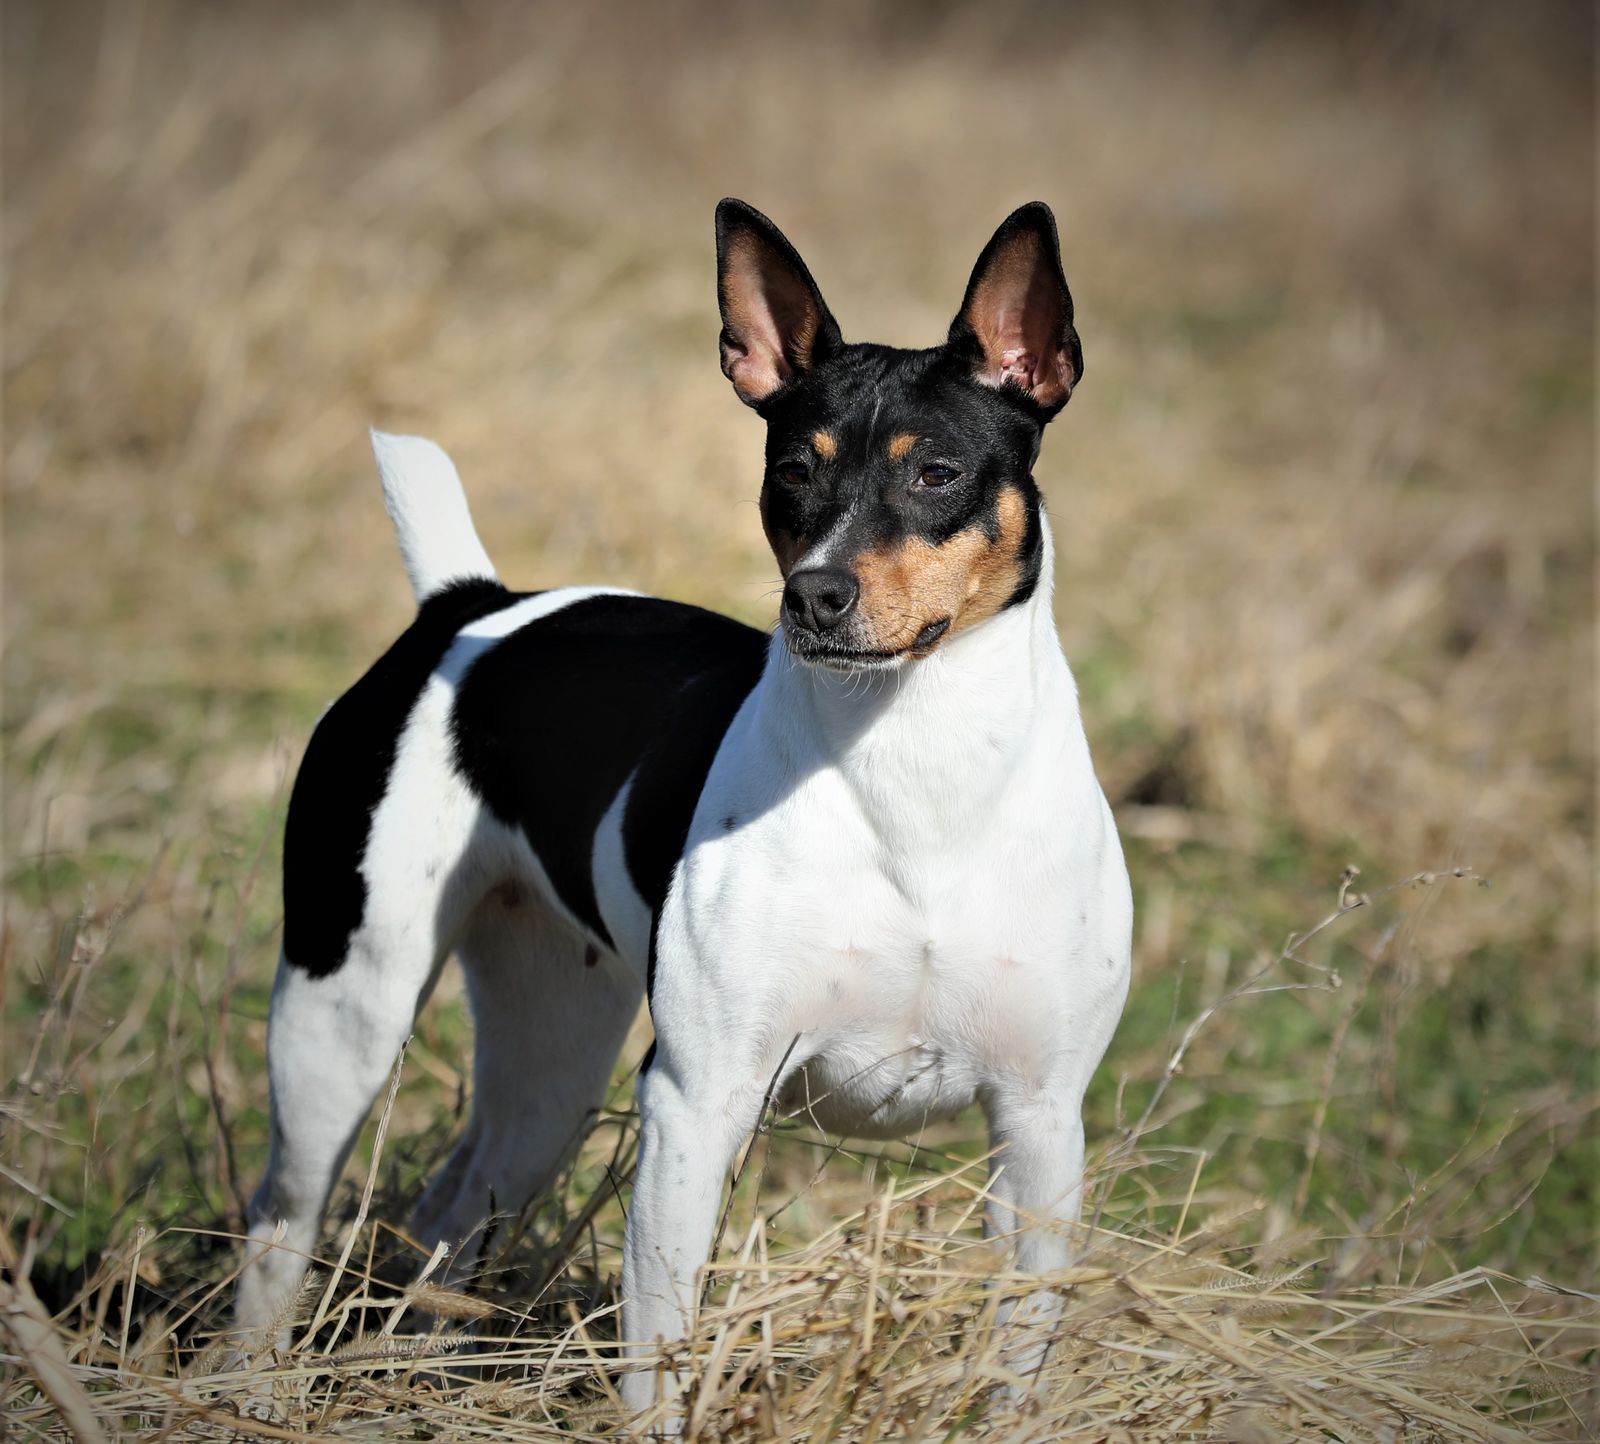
[(818, 600)]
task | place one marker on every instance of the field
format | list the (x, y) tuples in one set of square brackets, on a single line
[(1324, 518)]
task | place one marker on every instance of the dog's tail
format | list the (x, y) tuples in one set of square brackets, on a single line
[(430, 514)]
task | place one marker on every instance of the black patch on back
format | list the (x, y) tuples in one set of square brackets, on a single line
[(550, 722), (344, 775)]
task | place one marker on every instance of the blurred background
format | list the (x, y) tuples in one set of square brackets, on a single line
[(1323, 508)]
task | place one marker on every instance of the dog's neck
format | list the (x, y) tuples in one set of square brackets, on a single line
[(936, 740)]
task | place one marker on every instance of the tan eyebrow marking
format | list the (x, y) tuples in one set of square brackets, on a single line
[(900, 446), (824, 445)]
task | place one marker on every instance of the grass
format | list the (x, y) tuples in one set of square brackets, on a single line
[(1326, 569)]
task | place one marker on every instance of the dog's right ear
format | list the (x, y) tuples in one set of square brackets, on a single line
[(1015, 327), (775, 323)]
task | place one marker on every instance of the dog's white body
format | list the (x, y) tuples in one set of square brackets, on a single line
[(877, 895)]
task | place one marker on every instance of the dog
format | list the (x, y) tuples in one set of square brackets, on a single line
[(861, 864)]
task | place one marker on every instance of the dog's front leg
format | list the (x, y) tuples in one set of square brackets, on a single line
[(1036, 1194), (690, 1126)]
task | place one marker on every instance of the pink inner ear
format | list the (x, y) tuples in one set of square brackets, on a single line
[(1016, 313), (770, 318), (755, 374), (1048, 381), (1019, 365)]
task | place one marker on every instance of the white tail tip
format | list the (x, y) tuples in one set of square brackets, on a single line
[(429, 509)]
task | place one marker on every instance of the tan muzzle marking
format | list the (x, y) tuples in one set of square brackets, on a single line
[(915, 583)]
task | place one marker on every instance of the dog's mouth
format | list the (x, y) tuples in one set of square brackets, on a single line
[(819, 652)]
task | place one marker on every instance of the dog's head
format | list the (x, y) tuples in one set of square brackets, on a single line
[(898, 496)]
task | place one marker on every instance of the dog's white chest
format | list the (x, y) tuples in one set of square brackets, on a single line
[(906, 958), (918, 992)]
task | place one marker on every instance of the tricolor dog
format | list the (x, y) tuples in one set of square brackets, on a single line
[(863, 860)]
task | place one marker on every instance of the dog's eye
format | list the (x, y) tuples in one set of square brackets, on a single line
[(792, 473), (937, 475)]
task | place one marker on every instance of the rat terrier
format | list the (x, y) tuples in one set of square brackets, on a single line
[(862, 864)]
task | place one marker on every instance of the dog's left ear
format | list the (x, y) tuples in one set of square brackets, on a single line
[(775, 323), (1015, 324)]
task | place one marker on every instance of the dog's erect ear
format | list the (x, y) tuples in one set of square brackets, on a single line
[(775, 323), (1015, 324)]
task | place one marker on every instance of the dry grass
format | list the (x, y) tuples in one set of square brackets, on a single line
[(883, 1327), (1326, 574), (1185, 1319)]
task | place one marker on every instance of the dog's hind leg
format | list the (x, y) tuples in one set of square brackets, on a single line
[(550, 1014), (350, 983), (334, 1041)]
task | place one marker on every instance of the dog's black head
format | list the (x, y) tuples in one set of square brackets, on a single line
[(898, 496)]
